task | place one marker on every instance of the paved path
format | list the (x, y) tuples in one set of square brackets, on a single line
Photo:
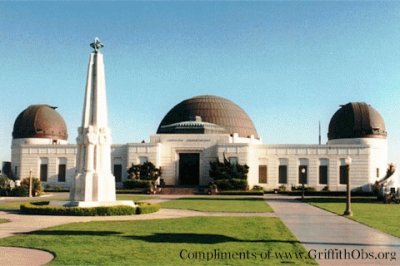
[(331, 234), (24, 256)]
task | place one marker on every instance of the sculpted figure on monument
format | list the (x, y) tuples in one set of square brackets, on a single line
[(103, 135), (90, 137)]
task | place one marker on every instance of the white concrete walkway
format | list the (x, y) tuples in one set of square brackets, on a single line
[(334, 239)]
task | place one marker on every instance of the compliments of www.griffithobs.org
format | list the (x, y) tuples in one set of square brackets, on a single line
[(325, 254)]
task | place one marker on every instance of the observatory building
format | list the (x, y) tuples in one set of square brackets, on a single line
[(199, 130), (193, 133)]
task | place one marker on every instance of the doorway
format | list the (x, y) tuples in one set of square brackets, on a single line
[(189, 169)]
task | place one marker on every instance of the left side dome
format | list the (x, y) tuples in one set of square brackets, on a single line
[(40, 121)]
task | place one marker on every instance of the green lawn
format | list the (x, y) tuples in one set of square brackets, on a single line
[(369, 211), (219, 204), (14, 204), (133, 197), (169, 242)]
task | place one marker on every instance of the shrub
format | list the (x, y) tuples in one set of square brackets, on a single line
[(20, 192), (282, 188), (5, 185), (257, 188), (145, 208), (232, 184), (4, 182), (136, 183), (43, 208), (37, 189), (145, 171), (227, 170), (241, 192), (300, 188)]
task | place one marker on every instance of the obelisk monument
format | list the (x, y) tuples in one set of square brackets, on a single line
[(94, 184)]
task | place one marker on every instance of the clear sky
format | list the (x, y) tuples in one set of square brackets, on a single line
[(287, 64)]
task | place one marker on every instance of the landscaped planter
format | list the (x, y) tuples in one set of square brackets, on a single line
[(43, 208)]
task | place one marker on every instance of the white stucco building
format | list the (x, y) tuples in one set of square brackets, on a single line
[(202, 128)]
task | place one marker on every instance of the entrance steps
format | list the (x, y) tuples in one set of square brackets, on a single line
[(170, 190)]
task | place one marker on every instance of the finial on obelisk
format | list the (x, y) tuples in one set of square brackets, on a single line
[(96, 45)]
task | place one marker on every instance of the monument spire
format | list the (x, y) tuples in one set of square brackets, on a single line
[(94, 184)]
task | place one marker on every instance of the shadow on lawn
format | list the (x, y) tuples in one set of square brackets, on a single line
[(190, 238), (220, 199), (72, 233), (342, 200)]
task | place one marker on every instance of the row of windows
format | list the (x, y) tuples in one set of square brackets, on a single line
[(62, 172), (302, 174)]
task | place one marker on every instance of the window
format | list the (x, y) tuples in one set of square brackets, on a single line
[(343, 175), (283, 171), (262, 174), (323, 171), (43, 172), (62, 169), (16, 171), (282, 174), (118, 172), (303, 172), (323, 174)]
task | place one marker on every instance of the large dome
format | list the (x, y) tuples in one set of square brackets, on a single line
[(40, 121), (356, 120), (207, 114)]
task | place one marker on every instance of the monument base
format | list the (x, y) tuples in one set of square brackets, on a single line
[(91, 204)]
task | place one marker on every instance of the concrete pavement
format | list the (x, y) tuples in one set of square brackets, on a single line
[(334, 239)]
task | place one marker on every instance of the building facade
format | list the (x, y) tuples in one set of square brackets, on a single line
[(199, 130)]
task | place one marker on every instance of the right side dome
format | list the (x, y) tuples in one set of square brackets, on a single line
[(356, 120)]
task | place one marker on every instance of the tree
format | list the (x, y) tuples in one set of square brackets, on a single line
[(37, 189), (227, 170), (5, 185), (145, 171), (229, 176)]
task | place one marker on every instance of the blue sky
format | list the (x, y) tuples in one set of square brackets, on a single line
[(288, 64)]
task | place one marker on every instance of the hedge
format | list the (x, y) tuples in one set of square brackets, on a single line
[(232, 184), (145, 208), (42, 208), (241, 192), (137, 183)]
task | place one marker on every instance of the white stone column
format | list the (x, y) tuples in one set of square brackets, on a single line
[(94, 184)]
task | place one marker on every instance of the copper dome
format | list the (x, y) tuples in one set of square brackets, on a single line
[(40, 121), (356, 120), (210, 109)]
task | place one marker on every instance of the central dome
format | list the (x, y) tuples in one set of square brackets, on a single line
[(217, 114)]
